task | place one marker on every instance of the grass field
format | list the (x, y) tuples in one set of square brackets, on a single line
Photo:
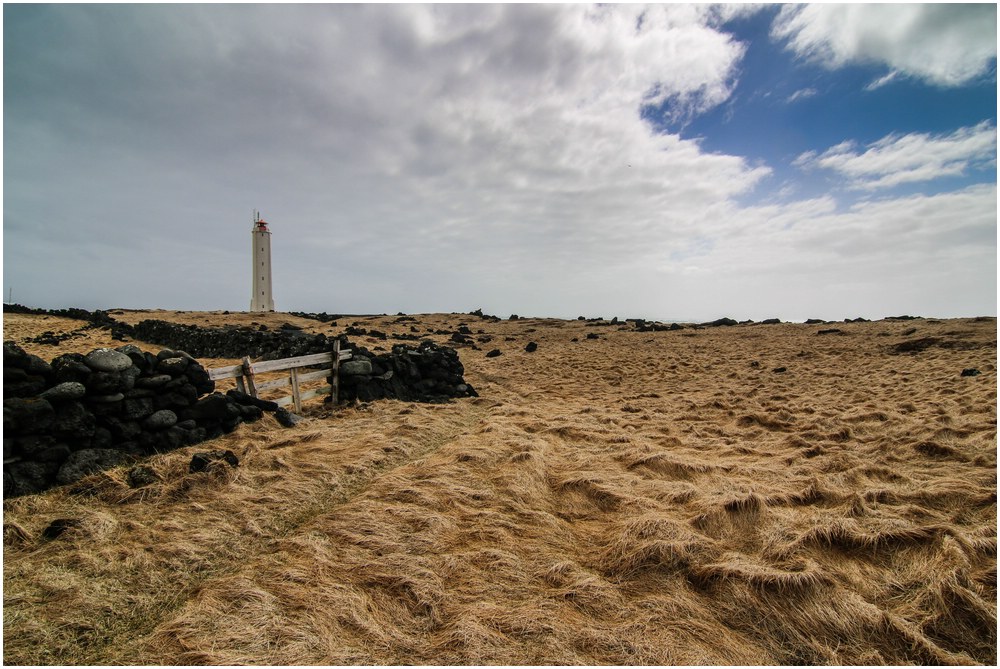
[(641, 498)]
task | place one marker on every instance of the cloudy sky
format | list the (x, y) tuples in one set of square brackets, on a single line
[(672, 162)]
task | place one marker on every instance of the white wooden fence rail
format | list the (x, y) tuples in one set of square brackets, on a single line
[(246, 371)]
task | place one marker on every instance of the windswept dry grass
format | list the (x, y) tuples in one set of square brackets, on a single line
[(642, 498)]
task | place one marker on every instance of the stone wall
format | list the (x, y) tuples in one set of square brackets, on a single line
[(78, 414), (82, 413), (426, 373)]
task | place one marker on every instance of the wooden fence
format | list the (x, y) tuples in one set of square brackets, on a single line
[(246, 371)]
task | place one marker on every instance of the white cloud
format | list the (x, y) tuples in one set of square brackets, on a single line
[(916, 157), (802, 94), (945, 44), (427, 158), (882, 81), (423, 140), (924, 255)]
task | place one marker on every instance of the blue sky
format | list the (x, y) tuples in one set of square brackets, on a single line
[(783, 106), (670, 162)]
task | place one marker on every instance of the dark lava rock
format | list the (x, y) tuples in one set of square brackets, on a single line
[(89, 461), (107, 360), (172, 366), (779, 370), (494, 353), (211, 407), (70, 367), (56, 453), (593, 335), (830, 331), (970, 372), (249, 400), (286, 418), (201, 461), (141, 476), (27, 414), (60, 525), (73, 422), (531, 347), (65, 391), (722, 322), (104, 383), (358, 366), (14, 356), (250, 413), (153, 382), (771, 321), (160, 420), (30, 445), (136, 408), (915, 345), (137, 355), (24, 478)]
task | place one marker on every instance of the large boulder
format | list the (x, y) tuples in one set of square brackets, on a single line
[(64, 392), (27, 415), (160, 420), (25, 478), (107, 360), (214, 407), (73, 422), (173, 366), (359, 366), (70, 367)]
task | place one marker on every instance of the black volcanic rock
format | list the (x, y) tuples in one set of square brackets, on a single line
[(915, 345), (201, 461)]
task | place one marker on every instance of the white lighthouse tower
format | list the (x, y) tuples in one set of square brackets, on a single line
[(260, 298)]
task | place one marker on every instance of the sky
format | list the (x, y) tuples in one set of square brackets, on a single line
[(669, 162)]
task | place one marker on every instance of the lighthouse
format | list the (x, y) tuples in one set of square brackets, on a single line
[(260, 297)]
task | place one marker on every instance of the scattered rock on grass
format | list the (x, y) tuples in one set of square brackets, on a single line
[(201, 461)]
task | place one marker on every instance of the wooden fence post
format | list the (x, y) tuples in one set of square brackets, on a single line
[(296, 396), (248, 374), (335, 373)]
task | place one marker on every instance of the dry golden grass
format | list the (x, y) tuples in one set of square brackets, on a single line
[(643, 498)]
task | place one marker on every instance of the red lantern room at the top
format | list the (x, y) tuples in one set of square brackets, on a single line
[(260, 224)]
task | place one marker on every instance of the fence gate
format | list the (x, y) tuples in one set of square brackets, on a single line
[(246, 371)]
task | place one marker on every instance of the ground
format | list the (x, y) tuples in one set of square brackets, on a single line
[(640, 498)]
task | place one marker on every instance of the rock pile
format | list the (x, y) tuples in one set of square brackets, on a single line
[(428, 373), (81, 413)]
